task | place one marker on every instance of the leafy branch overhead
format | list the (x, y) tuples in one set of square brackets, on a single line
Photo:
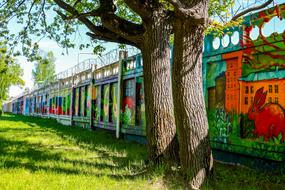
[(120, 21), (44, 69), (10, 72)]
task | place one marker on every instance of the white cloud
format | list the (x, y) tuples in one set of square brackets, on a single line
[(48, 45)]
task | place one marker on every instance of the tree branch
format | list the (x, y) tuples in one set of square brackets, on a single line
[(252, 9), (106, 35), (140, 7), (195, 13), (112, 24), (122, 26), (76, 2)]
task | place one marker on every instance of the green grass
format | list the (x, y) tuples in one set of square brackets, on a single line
[(39, 153)]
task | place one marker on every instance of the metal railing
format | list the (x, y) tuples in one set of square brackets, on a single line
[(98, 62)]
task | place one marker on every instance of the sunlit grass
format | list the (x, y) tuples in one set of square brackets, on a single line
[(39, 153)]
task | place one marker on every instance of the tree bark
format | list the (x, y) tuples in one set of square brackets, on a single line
[(189, 107), (161, 130)]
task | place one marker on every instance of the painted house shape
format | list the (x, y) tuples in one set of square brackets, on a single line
[(272, 81), (233, 72)]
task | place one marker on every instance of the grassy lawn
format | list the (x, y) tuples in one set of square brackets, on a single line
[(42, 154)]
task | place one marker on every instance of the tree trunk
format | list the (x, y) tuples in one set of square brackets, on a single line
[(161, 131), (190, 113)]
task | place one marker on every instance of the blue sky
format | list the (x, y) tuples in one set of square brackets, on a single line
[(62, 62)]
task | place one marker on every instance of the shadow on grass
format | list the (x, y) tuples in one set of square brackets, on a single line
[(122, 154)]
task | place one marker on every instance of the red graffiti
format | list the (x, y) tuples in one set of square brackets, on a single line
[(269, 119), (128, 101)]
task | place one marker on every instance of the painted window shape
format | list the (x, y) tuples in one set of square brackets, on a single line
[(246, 100), (79, 102), (68, 102), (280, 26), (82, 101), (254, 33), (128, 108), (275, 25), (88, 95), (76, 101), (113, 107), (235, 38), (216, 43), (270, 88), (276, 90), (225, 40), (59, 105), (50, 106), (246, 89), (105, 103), (93, 102), (251, 89), (276, 100), (140, 105), (63, 105), (54, 104), (96, 102)]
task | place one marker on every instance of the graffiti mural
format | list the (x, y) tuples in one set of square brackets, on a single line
[(140, 106), (96, 103), (128, 106), (76, 102), (83, 101), (105, 103), (243, 85), (88, 95), (245, 88), (113, 103), (269, 118)]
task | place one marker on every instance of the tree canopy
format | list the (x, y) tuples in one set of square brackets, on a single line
[(121, 21), (10, 73), (44, 69)]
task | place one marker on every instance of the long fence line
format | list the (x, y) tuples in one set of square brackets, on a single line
[(243, 85)]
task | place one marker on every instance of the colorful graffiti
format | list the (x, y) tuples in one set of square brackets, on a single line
[(96, 103), (140, 106), (243, 84), (245, 88), (269, 119), (128, 107), (113, 103), (105, 103)]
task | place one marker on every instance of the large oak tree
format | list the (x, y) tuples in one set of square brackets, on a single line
[(10, 73)]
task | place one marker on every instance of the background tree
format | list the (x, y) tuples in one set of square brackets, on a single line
[(44, 69), (10, 74)]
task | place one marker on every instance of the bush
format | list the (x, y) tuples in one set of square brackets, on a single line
[(246, 127)]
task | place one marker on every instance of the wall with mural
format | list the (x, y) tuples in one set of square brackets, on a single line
[(244, 86)]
